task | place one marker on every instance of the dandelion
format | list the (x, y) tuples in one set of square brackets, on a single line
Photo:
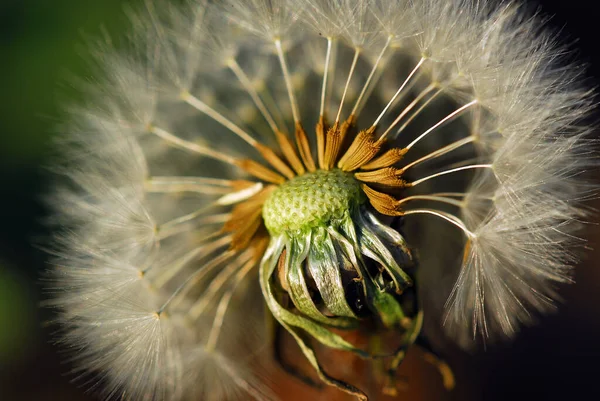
[(346, 163)]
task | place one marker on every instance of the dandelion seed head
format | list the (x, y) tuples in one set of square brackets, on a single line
[(310, 200), (353, 165)]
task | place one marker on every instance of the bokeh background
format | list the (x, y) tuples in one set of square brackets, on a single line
[(42, 46)]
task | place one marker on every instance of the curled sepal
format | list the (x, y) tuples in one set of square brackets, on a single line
[(297, 250), (324, 268), (371, 245), (404, 256), (384, 304), (287, 318)]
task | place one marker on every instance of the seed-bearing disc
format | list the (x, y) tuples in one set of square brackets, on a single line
[(311, 200)]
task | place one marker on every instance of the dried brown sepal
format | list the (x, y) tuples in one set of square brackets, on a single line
[(389, 158), (333, 144), (288, 150), (245, 233), (239, 216), (260, 243), (259, 171), (320, 131), (382, 202), (246, 220), (244, 210), (363, 148), (304, 148), (388, 177), (274, 160)]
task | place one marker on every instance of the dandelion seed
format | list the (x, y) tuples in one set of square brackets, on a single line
[(319, 157)]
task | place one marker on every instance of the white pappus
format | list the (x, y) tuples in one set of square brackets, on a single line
[(352, 165)]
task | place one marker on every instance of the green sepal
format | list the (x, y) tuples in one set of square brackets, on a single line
[(287, 318), (372, 247), (297, 250), (324, 268)]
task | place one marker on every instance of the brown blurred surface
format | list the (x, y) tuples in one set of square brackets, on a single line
[(419, 380)]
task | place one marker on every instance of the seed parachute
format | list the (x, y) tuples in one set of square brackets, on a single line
[(380, 167)]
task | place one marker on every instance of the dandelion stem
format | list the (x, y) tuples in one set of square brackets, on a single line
[(288, 80), (245, 81), (175, 267), (454, 170), (155, 186), (412, 73), (201, 251), (218, 117), (331, 76), (378, 73), (165, 229), (198, 274), (370, 77), (174, 180), (267, 153), (440, 152), (256, 394), (444, 215), (215, 330), (418, 111), (325, 76), (444, 120), (234, 191), (272, 105), (432, 197), (198, 308), (350, 74), (194, 147), (407, 109), (217, 325), (451, 194), (169, 229)]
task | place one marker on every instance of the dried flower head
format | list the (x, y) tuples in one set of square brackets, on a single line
[(341, 161)]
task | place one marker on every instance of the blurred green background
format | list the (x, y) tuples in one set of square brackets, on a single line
[(42, 46)]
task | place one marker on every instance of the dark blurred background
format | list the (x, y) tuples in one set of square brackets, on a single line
[(42, 47)]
